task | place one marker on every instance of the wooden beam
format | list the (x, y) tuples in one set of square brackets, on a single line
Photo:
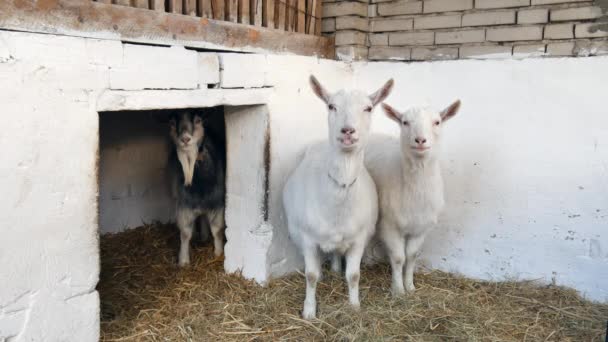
[(123, 2), (103, 21)]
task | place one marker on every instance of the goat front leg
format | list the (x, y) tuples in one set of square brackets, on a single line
[(312, 264), (185, 222), (412, 247), (353, 273), (217, 225), (395, 248)]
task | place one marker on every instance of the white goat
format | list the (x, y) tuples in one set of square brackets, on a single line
[(330, 199), (409, 183)]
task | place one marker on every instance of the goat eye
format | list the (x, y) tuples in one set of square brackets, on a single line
[(405, 123), (331, 107), (368, 109), (197, 121), (437, 123)]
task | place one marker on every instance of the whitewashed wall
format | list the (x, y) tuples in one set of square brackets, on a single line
[(525, 166), (525, 160)]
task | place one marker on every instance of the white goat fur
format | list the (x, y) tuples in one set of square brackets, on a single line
[(330, 200), (410, 186)]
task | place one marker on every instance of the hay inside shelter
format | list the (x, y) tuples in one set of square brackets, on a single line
[(145, 297)]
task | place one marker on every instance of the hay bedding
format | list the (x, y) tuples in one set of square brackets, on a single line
[(145, 297)]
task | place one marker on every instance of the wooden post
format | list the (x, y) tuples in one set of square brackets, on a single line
[(218, 9), (205, 9), (301, 14), (288, 15), (318, 11), (281, 14), (158, 5), (268, 13), (293, 15), (175, 6), (190, 7), (139, 3), (256, 13), (244, 13), (231, 10)]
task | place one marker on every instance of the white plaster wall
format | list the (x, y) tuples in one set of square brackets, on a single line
[(525, 166), (48, 213)]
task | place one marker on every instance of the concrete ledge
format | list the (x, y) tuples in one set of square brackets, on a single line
[(113, 100)]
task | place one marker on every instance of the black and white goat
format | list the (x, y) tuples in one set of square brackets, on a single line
[(198, 167)]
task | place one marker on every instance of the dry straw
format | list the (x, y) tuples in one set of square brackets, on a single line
[(145, 297)]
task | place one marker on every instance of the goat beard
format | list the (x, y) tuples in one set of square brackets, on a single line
[(187, 157)]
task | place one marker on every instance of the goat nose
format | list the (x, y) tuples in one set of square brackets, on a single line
[(347, 130), (185, 140), (420, 140)]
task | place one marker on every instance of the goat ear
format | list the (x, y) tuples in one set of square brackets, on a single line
[(449, 112), (382, 93), (392, 113), (318, 89)]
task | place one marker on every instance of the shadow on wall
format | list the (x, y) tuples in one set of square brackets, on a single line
[(133, 186)]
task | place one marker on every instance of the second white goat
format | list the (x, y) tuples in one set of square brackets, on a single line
[(410, 187), (330, 199)]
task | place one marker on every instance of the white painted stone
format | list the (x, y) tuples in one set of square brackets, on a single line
[(529, 50), (248, 235), (104, 52), (485, 52), (243, 70), (112, 100), (151, 67), (208, 69)]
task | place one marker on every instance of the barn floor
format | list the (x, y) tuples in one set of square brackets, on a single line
[(145, 297)]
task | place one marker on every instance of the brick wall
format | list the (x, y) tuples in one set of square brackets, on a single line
[(412, 30)]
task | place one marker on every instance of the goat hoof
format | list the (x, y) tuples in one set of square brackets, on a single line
[(397, 292), (356, 306), (410, 288), (217, 259), (183, 264), (309, 314)]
